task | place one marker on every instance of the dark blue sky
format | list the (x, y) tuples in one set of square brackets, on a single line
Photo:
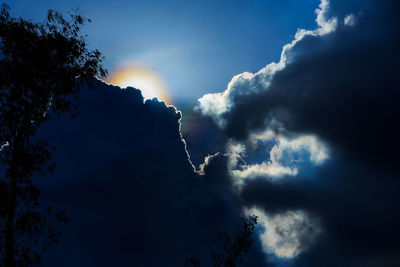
[(196, 46)]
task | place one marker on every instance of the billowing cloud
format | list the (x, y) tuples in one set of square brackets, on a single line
[(285, 156), (215, 105), (287, 234), (336, 82), (317, 132), (125, 178)]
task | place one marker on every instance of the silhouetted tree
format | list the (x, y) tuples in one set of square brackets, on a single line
[(231, 250), (42, 68)]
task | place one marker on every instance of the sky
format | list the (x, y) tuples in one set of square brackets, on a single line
[(195, 46), (287, 110)]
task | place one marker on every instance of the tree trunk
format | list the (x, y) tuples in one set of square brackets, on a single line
[(9, 246), (12, 205)]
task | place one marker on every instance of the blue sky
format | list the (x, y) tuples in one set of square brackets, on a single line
[(196, 46)]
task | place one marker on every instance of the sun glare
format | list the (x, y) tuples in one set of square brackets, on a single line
[(144, 79)]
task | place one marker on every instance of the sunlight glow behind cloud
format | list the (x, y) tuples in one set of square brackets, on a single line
[(148, 81)]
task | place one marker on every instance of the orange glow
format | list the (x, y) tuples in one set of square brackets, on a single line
[(144, 79)]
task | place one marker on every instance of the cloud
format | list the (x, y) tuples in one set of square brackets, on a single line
[(287, 234), (264, 169), (285, 156), (356, 206), (215, 105), (124, 175), (330, 82), (350, 20), (317, 132)]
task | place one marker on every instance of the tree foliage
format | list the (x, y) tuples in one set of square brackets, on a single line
[(43, 66), (231, 250)]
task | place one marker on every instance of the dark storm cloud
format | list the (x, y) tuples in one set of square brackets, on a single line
[(131, 193), (348, 98), (356, 208), (201, 134), (340, 85)]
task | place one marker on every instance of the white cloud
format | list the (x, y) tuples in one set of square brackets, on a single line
[(213, 105), (286, 156), (350, 20), (326, 25), (207, 160), (265, 169), (287, 234), (318, 152)]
